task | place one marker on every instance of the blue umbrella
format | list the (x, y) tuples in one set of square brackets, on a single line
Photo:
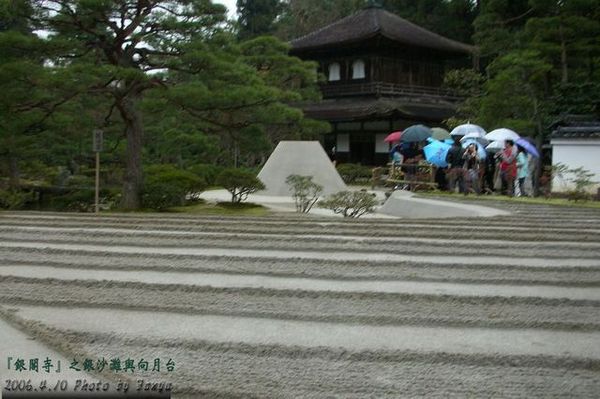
[(528, 147), (436, 152), (480, 148)]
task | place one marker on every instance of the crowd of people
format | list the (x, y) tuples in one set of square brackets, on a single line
[(508, 171)]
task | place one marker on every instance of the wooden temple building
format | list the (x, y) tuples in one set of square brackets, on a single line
[(383, 73)]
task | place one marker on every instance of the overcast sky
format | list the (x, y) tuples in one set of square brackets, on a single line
[(230, 4)]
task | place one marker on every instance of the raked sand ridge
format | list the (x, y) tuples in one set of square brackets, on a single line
[(288, 306)]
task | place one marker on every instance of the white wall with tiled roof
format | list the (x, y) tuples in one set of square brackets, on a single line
[(576, 152)]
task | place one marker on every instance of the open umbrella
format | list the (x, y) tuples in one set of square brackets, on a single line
[(475, 136), (464, 129), (502, 134), (416, 133), (393, 137), (480, 148), (495, 146), (440, 133), (528, 147), (435, 153)]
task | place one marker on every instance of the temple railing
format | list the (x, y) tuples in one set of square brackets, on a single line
[(388, 89)]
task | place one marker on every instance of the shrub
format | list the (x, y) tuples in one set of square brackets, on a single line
[(15, 199), (305, 192), (166, 186), (75, 200), (239, 183), (580, 178), (351, 172), (80, 199), (351, 204), (207, 172), (80, 181)]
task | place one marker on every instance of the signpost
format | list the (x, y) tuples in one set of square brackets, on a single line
[(97, 148)]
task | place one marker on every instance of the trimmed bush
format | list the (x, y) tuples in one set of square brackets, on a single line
[(352, 204), (166, 186), (207, 172), (353, 172), (305, 192), (239, 183), (15, 199)]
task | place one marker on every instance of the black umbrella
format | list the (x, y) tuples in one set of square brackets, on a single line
[(416, 133)]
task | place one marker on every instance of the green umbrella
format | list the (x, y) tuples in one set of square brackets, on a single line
[(440, 134), (416, 133)]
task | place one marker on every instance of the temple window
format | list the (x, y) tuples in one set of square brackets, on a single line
[(334, 71), (358, 69)]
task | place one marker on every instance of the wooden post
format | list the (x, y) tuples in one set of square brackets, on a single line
[(97, 147), (97, 182)]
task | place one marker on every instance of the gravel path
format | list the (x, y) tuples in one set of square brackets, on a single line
[(288, 306)]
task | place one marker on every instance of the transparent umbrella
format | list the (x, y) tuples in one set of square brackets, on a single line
[(495, 146), (440, 134), (502, 134), (467, 128), (475, 136)]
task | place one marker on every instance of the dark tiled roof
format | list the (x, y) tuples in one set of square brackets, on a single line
[(591, 131), (376, 21), (358, 109), (576, 126)]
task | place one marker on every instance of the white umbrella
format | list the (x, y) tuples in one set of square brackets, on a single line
[(502, 134), (467, 128), (475, 136), (495, 146)]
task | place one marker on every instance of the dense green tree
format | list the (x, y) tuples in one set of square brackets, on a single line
[(516, 93), (450, 18), (29, 92), (242, 97), (469, 84), (566, 33), (163, 78), (116, 45), (498, 26), (300, 17), (554, 41), (257, 17)]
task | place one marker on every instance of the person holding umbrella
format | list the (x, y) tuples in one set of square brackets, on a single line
[(522, 169), (455, 166), (508, 166), (471, 166), (412, 154), (396, 155)]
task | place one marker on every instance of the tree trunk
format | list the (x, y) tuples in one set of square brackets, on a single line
[(134, 130), (539, 140), (563, 56), (13, 172)]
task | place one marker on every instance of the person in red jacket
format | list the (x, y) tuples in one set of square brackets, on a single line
[(508, 167)]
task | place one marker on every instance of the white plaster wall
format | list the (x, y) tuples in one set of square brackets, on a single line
[(380, 145), (576, 153)]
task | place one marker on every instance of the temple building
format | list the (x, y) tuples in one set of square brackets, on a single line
[(383, 73)]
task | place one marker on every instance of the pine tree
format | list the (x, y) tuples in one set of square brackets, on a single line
[(257, 17)]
